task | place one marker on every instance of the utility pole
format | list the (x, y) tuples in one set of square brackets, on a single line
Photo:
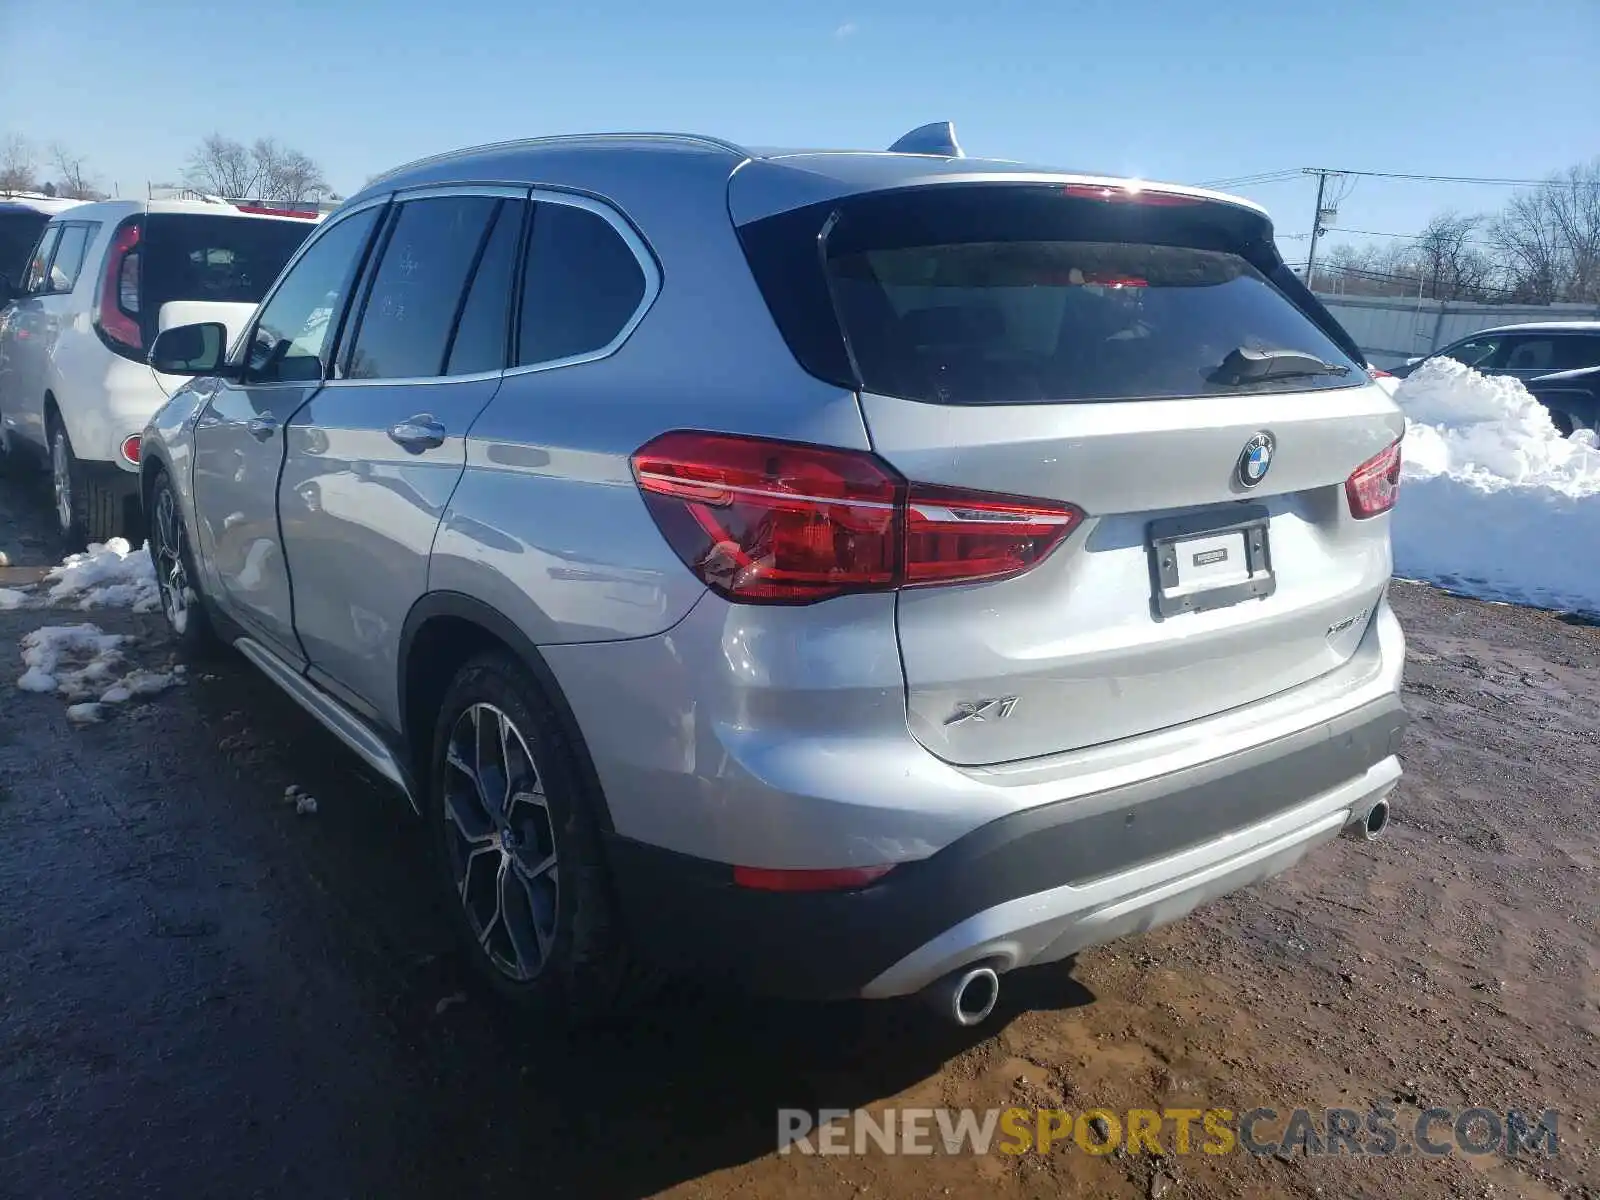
[(1316, 224)]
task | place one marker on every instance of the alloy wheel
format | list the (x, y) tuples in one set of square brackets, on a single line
[(61, 479), (172, 578), (500, 842)]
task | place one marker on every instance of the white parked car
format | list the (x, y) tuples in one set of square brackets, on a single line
[(103, 280)]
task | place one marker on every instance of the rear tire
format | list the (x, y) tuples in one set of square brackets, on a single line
[(85, 511), (519, 852), (176, 578)]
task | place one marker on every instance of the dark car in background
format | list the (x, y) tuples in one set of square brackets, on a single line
[(1558, 361), (22, 220)]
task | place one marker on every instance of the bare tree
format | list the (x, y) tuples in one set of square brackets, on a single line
[(73, 179), (1548, 240), (19, 165), (1446, 260), (221, 166), (266, 169), (296, 178)]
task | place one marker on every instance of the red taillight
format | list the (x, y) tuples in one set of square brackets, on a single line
[(838, 879), (954, 536), (1378, 373), (130, 448), (118, 315), (1375, 484), (1123, 194), (266, 210), (779, 522)]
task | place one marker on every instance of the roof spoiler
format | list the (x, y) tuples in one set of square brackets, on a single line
[(937, 138)]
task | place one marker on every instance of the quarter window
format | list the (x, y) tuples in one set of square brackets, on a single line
[(581, 285), (295, 327), (418, 287)]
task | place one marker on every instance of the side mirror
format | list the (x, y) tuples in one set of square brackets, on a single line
[(191, 349)]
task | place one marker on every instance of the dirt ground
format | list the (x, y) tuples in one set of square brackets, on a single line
[(206, 994)]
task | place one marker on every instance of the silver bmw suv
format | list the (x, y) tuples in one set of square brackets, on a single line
[(841, 574)]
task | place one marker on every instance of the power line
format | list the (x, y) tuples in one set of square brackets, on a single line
[(1410, 237), (1288, 173), (1256, 180), (1474, 179)]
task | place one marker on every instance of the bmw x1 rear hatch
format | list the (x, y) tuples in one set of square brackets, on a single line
[(1143, 357)]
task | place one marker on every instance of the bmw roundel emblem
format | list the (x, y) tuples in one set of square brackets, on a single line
[(1255, 459)]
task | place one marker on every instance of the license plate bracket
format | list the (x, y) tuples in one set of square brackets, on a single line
[(1206, 560)]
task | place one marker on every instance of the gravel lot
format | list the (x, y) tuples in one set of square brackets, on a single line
[(204, 993)]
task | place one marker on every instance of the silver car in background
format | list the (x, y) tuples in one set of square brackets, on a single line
[(839, 574)]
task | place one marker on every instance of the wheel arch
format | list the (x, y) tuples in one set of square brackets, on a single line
[(440, 631), (152, 462)]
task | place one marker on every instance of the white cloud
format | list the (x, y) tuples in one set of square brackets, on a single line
[(848, 29)]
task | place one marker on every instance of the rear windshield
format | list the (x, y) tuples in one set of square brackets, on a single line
[(233, 259), (19, 233), (1017, 295)]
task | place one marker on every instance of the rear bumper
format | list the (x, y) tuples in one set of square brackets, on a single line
[(1033, 886)]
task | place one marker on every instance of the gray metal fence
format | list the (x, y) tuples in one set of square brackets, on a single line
[(1391, 329)]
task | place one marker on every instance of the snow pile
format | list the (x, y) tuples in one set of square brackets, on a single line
[(76, 660), (11, 598), (1494, 501), (112, 575), (85, 665)]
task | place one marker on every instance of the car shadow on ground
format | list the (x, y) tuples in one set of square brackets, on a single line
[(692, 1085), (691, 1082)]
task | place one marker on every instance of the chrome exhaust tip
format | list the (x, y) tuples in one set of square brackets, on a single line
[(967, 996), (1369, 827)]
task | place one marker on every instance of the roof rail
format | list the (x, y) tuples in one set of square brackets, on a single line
[(937, 138), (557, 138)]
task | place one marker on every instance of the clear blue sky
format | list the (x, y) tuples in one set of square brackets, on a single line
[(1171, 89)]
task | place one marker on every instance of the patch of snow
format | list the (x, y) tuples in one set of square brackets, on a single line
[(1494, 502), (85, 665), (71, 659), (109, 575), (11, 598), (83, 714)]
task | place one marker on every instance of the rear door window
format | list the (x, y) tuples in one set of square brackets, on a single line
[(33, 283), (582, 285), (70, 251), (1021, 294), (1529, 354), (418, 287)]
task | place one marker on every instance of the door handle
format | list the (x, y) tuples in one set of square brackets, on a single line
[(262, 428), (418, 433)]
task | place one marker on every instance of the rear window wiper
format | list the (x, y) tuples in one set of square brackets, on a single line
[(1244, 365)]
